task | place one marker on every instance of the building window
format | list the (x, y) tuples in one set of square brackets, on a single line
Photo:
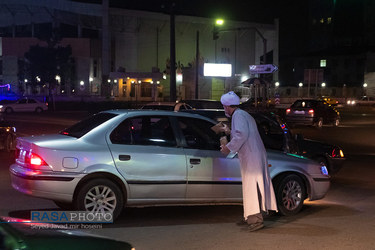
[(321, 20), (329, 20), (323, 63)]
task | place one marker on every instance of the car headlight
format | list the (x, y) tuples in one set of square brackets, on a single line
[(324, 170)]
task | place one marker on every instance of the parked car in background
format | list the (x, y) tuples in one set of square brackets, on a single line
[(276, 135), (24, 105), (150, 157), (171, 106), (312, 112), (364, 101), (204, 104)]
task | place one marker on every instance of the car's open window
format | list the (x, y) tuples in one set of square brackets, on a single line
[(145, 130), (198, 134), (271, 132)]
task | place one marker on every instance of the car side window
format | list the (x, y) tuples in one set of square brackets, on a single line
[(144, 130), (271, 133), (32, 101), (198, 134), (22, 101)]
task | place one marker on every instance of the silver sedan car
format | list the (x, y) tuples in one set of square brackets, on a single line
[(149, 157)]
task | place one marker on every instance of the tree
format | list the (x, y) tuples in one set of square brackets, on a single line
[(43, 64)]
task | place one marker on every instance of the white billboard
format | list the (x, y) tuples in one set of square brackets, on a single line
[(217, 69)]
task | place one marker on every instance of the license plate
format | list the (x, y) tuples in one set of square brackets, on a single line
[(299, 112)]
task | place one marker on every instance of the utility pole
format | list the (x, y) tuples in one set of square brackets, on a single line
[(197, 66), (172, 96)]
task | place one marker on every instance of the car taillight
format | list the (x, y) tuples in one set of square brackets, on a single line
[(287, 111), (311, 111), (34, 160), (337, 153)]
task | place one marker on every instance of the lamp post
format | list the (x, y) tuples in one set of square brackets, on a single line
[(300, 89), (323, 86)]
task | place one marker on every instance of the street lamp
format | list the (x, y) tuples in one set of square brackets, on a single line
[(300, 89), (277, 84), (365, 89)]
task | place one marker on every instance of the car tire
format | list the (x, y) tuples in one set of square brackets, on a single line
[(100, 195), (38, 110), (65, 205), (319, 122), (290, 194), (8, 110), (8, 143)]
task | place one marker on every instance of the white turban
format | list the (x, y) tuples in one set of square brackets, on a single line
[(229, 99)]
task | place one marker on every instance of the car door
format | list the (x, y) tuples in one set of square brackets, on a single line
[(20, 105), (145, 152), (211, 175)]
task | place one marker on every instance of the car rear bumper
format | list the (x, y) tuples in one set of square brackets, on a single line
[(300, 120), (48, 185)]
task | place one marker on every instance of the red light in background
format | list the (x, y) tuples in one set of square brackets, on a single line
[(311, 111)]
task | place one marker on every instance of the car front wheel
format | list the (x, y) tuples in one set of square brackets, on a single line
[(290, 194), (100, 195), (319, 123)]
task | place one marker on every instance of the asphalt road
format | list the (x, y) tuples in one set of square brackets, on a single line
[(344, 219)]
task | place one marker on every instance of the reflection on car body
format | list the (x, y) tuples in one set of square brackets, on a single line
[(25, 234), (149, 157)]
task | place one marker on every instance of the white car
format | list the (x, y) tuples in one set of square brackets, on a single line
[(150, 157), (24, 105), (171, 106)]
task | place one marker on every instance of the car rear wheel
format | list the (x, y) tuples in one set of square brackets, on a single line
[(8, 110), (39, 110), (319, 123), (100, 195), (290, 194)]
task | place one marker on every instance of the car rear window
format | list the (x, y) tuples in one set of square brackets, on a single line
[(304, 104), (83, 127), (159, 107)]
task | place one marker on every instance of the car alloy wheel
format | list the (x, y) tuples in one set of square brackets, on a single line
[(100, 195), (8, 110), (290, 194), (38, 110)]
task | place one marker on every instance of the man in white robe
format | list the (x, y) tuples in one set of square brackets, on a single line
[(257, 189)]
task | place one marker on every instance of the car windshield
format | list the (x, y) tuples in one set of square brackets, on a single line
[(303, 104), (81, 128)]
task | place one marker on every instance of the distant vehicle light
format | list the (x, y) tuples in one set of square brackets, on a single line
[(287, 111), (311, 111)]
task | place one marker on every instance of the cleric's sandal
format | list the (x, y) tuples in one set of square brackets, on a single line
[(255, 226)]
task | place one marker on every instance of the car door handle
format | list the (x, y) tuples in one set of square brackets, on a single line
[(124, 157), (195, 161)]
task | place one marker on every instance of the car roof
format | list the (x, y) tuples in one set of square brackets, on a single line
[(154, 112)]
